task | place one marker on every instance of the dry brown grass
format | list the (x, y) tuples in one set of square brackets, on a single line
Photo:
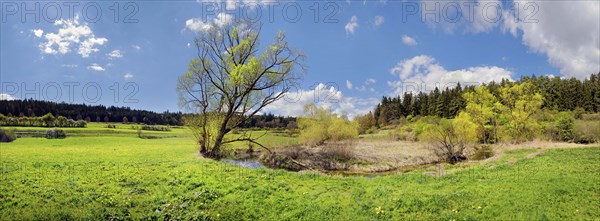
[(393, 152)]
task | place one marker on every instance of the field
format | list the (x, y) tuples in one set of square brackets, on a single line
[(101, 173)]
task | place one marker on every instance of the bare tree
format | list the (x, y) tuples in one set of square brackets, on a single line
[(229, 81)]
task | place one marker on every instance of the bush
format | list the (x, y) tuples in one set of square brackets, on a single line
[(54, 133), (404, 133), (586, 131), (322, 125), (7, 135), (155, 128), (564, 126), (312, 132), (550, 131), (340, 129), (450, 138), (111, 126)]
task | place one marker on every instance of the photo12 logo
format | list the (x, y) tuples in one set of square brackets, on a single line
[(49, 11), (90, 92), (271, 11), (469, 11)]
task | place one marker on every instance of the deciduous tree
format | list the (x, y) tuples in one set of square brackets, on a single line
[(230, 81)]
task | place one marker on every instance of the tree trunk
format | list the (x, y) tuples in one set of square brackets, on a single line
[(214, 152)]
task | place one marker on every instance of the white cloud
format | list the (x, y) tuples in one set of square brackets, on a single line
[(423, 73), (95, 67), (115, 54), (136, 47), (348, 84), (323, 96), (407, 40), (38, 32), (378, 20), (6, 97), (128, 76), (352, 25), (370, 81), (87, 46), (197, 25), (70, 33), (572, 45)]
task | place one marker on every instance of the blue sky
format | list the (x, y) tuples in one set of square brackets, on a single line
[(364, 51)]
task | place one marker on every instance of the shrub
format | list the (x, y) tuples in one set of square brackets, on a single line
[(322, 125), (340, 129), (54, 133), (111, 126), (550, 131), (564, 126), (404, 133), (312, 132), (578, 113), (586, 131), (450, 138), (155, 128), (370, 131), (7, 135)]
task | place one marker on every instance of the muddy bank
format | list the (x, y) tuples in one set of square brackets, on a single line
[(352, 159)]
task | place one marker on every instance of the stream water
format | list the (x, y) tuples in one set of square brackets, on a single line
[(247, 160)]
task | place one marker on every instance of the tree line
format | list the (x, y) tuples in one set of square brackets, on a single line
[(89, 113), (30, 112), (48, 120), (559, 94)]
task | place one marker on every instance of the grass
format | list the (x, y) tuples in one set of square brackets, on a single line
[(108, 176)]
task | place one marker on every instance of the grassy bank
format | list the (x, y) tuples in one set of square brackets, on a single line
[(124, 177)]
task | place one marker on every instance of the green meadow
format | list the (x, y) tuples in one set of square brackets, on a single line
[(101, 173)]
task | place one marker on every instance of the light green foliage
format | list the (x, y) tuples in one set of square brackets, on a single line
[(340, 129), (521, 102), (320, 125), (483, 109), (48, 119)]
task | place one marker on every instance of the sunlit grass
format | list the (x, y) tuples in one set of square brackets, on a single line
[(125, 177)]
